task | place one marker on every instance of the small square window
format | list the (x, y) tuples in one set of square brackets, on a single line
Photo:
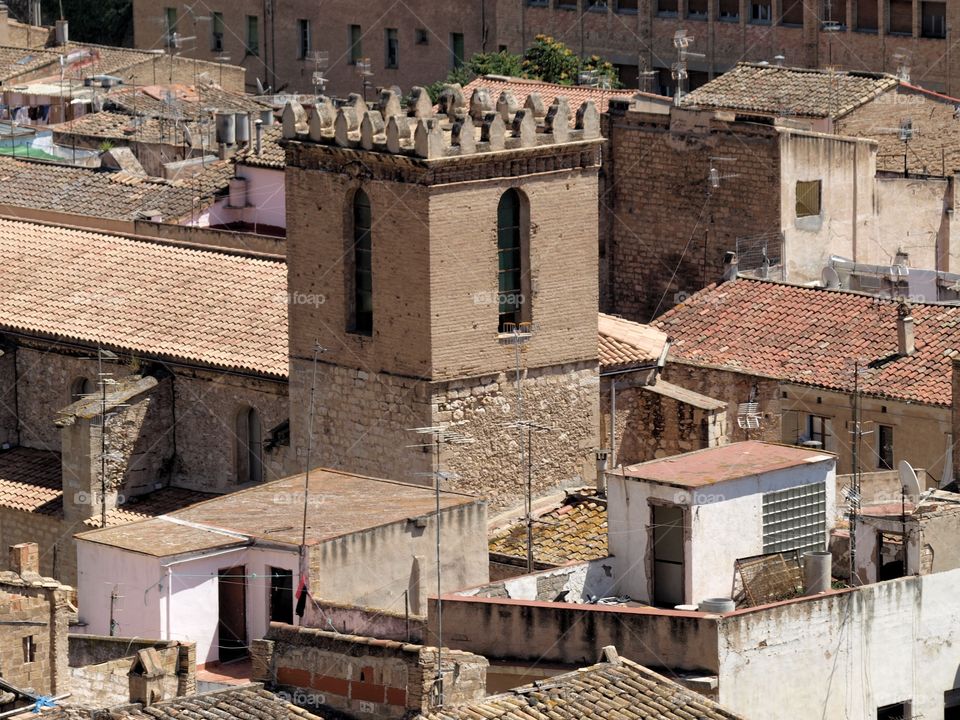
[(760, 12), (667, 7), (808, 198), (421, 37), (728, 10)]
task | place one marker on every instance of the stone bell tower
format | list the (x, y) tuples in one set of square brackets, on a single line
[(427, 252)]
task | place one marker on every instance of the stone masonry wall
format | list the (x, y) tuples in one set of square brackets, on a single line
[(38, 617), (106, 684), (8, 395), (58, 554), (651, 426), (672, 228), (733, 388), (564, 399)]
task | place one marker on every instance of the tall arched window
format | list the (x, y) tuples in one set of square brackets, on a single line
[(362, 280), (512, 261), (80, 388), (249, 446)]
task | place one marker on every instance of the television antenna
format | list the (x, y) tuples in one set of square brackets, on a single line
[(321, 61), (909, 490), (679, 71), (364, 72), (317, 351), (530, 428), (855, 493), (902, 58), (906, 133), (435, 437)]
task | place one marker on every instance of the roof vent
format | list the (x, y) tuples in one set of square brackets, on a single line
[(905, 342)]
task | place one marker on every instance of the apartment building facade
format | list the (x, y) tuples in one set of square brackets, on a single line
[(418, 42)]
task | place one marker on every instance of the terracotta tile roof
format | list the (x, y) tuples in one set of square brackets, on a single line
[(575, 94), (205, 307), (812, 336), (250, 702), (30, 480), (272, 154), (93, 193), (624, 344), (129, 128), (351, 503), (180, 100), (619, 690), (769, 89), (574, 531), (16, 61)]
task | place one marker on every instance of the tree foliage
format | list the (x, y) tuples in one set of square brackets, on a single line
[(547, 59), (104, 22)]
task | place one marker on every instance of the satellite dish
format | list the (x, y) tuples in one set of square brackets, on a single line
[(830, 278), (908, 481)]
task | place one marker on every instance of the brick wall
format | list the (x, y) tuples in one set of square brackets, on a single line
[(672, 228), (364, 676), (278, 63), (58, 554)]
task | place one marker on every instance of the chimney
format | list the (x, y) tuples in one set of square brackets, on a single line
[(25, 558), (905, 344), (62, 32), (730, 267), (146, 677), (259, 135)]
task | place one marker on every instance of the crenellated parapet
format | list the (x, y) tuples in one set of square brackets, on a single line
[(454, 127)]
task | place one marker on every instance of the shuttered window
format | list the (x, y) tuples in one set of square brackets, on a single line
[(808, 198)]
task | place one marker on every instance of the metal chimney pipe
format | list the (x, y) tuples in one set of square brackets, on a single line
[(259, 135)]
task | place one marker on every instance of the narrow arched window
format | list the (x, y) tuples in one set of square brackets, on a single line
[(362, 258), (80, 388), (512, 261), (249, 446)]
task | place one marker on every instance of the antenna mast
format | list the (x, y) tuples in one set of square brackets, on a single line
[(317, 349)]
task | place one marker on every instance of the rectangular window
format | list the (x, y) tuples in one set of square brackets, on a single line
[(456, 49), (760, 12), (30, 649), (538, 3), (627, 6), (567, 4), (597, 5), (216, 32), (356, 44), (281, 595), (901, 17), (808, 198), (934, 20), (697, 9), (818, 430), (897, 711), (304, 39), (667, 7), (867, 15), (421, 37), (795, 519), (362, 266), (171, 25), (392, 59), (792, 13), (253, 35), (629, 75), (728, 10), (884, 447)]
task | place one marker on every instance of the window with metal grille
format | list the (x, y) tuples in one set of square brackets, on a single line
[(934, 19), (216, 32), (808, 198), (901, 17), (697, 9), (760, 12), (728, 10), (795, 518)]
